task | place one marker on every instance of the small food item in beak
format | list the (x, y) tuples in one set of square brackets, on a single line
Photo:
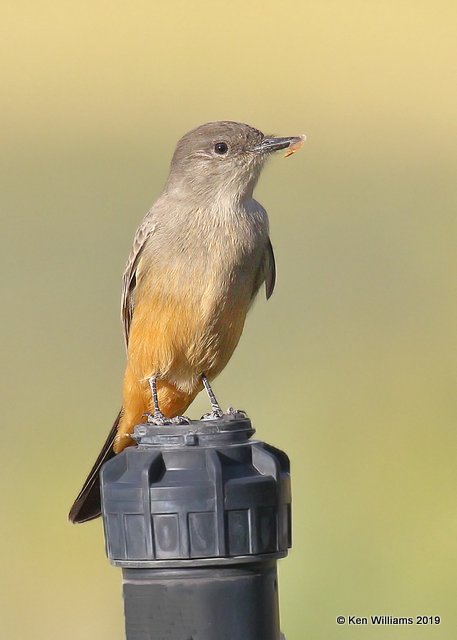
[(293, 148)]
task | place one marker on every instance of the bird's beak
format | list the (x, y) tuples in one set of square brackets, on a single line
[(276, 144)]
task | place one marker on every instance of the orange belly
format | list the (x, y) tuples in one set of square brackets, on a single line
[(176, 340)]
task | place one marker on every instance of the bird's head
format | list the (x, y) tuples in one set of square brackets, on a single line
[(222, 159)]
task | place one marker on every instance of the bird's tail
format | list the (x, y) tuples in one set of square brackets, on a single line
[(87, 504)]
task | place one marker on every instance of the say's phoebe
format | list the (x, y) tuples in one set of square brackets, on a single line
[(198, 260)]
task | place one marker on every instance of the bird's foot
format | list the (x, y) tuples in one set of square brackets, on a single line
[(215, 414), (238, 413), (157, 418), (180, 420)]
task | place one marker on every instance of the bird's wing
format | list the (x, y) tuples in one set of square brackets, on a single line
[(269, 269), (266, 272), (129, 279)]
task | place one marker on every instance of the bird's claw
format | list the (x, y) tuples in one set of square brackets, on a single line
[(157, 418), (239, 413), (160, 420), (215, 414), (180, 420)]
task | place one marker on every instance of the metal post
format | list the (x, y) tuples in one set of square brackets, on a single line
[(197, 516)]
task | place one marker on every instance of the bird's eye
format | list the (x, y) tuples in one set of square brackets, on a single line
[(221, 148)]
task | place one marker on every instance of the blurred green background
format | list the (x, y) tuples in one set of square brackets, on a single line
[(351, 366)]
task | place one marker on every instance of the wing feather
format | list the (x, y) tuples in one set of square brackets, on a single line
[(129, 279), (270, 269), (266, 272)]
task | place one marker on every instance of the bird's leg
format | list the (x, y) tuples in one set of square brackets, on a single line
[(158, 417), (216, 411)]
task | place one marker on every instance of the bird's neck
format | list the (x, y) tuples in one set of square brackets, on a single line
[(203, 193)]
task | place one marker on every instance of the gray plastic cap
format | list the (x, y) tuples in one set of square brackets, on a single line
[(191, 494)]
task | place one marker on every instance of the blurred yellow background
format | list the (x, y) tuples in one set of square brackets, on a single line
[(351, 367)]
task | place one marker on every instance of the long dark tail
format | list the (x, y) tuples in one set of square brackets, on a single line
[(87, 504)]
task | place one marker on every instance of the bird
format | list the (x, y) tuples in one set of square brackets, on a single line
[(198, 260)]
